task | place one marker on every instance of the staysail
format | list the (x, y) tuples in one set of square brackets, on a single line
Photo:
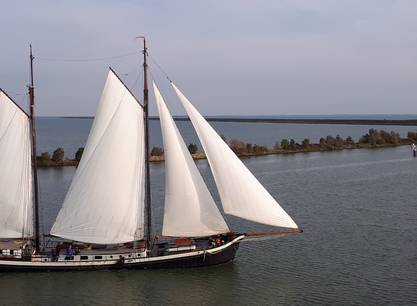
[(241, 193), (16, 201), (105, 202), (190, 210)]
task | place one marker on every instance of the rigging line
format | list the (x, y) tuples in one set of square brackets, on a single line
[(155, 81), (126, 79), (160, 68), (133, 85), (152, 76), (135, 68), (156, 76), (72, 60), (17, 94)]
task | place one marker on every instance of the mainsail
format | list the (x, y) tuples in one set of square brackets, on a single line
[(190, 210), (104, 204), (16, 201), (241, 193)]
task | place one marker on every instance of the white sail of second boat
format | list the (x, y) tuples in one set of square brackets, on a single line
[(104, 204), (16, 201), (190, 210), (242, 195)]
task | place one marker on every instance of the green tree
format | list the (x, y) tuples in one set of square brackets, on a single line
[(284, 144), (237, 146), (395, 138), (45, 157), (339, 141), (412, 136), (259, 149), (292, 145), (249, 148), (339, 138), (58, 155), (364, 139), (330, 140), (192, 147), (79, 154), (305, 143), (157, 151)]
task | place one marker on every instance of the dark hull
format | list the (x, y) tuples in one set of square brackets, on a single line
[(222, 257), (207, 259)]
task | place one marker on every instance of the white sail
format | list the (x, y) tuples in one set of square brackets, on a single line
[(104, 204), (241, 193), (16, 201), (190, 210)]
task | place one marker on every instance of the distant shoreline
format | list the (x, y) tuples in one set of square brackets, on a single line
[(313, 148), (397, 122), (374, 139)]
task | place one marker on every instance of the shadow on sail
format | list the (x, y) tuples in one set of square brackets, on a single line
[(16, 204), (189, 210), (104, 204)]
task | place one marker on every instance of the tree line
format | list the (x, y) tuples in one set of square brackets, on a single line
[(373, 139), (58, 157)]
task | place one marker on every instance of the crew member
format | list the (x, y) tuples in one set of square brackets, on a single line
[(70, 251)]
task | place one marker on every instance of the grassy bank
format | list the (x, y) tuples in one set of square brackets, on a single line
[(374, 139)]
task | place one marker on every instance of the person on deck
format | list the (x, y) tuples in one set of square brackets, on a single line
[(414, 148), (70, 251)]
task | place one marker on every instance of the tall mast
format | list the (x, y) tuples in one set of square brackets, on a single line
[(34, 164), (148, 207)]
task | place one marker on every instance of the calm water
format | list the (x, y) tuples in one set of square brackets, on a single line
[(358, 209)]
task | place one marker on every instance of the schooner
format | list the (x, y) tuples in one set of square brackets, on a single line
[(105, 221)]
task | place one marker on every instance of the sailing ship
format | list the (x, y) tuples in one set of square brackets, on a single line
[(105, 221)]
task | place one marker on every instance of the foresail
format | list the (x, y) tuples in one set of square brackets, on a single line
[(105, 202), (16, 201), (190, 210), (241, 193)]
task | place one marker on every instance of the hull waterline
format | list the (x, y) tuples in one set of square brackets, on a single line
[(209, 257)]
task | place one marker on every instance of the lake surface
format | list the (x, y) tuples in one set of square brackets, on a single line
[(358, 209)]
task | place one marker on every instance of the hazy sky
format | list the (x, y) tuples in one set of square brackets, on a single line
[(230, 57)]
